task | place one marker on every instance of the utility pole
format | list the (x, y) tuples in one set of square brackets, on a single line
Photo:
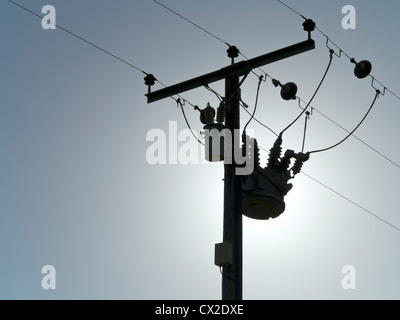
[(232, 224)]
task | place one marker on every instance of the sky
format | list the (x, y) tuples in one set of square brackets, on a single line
[(78, 192)]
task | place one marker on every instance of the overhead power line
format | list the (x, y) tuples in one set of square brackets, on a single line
[(191, 22), (81, 38), (351, 201), (182, 101), (328, 39), (300, 99)]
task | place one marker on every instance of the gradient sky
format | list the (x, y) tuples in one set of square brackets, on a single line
[(76, 189)]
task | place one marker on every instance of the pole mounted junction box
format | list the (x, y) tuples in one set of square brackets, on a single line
[(223, 254)]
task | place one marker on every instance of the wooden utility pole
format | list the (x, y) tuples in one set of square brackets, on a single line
[(232, 225)]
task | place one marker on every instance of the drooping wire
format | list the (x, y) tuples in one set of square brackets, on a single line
[(356, 137), (259, 122), (339, 194), (255, 104), (334, 122), (319, 86), (328, 39), (362, 120), (340, 51), (181, 104)]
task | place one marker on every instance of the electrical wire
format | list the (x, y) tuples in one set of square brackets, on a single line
[(179, 100), (183, 112), (235, 92), (220, 98), (255, 104), (196, 25), (319, 86), (267, 75), (356, 137), (292, 9), (362, 120), (259, 122), (351, 201), (81, 38), (335, 192), (340, 49), (181, 104), (305, 130)]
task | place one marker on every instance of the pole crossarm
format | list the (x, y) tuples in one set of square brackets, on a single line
[(239, 68)]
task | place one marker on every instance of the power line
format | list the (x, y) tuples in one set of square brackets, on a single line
[(341, 195), (351, 201), (255, 105), (353, 135), (362, 120), (319, 86), (81, 38), (292, 9), (180, 98), (267, 75), (196, 25), (182, 103), (328, 39)]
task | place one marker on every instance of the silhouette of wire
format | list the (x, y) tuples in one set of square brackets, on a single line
[(341, 50), (362, 120), (196, 25), (305, 131), (334, 122), (220, 98), (179, 100), (181, 104), (81, 38), (356, 137), (308, 104), (292, 9), (255, 104), (351, 201), (339, 194)]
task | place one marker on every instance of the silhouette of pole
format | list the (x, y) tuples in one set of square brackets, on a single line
[(232, 225)]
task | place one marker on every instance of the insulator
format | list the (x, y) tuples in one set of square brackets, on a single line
[(209, 114), (285, 163), (309, 25), (298, 164), (221, 112), (362, 69), (233, 52), (206, 115), (149, 80), (256, 154), (300, 159), (275, 152)]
